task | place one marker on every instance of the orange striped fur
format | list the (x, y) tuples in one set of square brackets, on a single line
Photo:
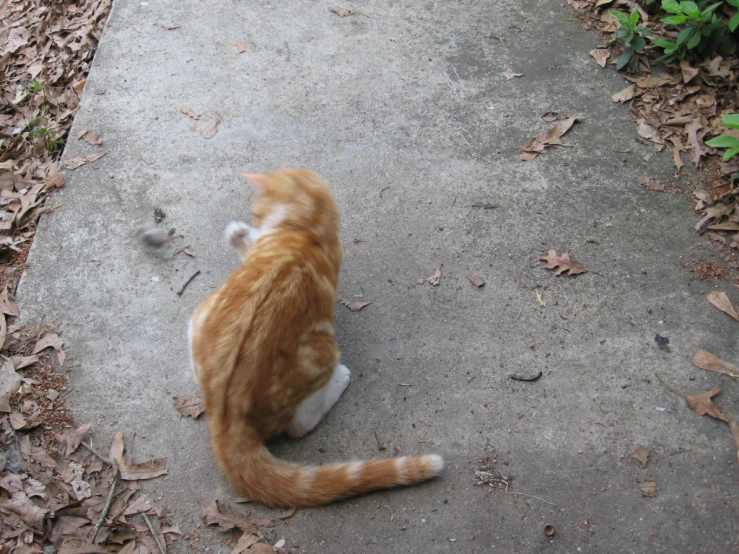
[(264, 351)]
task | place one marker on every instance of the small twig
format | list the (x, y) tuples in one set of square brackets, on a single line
[(530, 496), (668, 387), (109, 501), (526, 379), (383, 190), (99, 456), (404, 384), (488, 206), (153, 534), (473, 378), (179, 292), (379, 445)]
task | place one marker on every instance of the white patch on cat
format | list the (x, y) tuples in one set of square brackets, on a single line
[(354, 470), (434, 463), (312, 409), (400, 466), (238, 234)]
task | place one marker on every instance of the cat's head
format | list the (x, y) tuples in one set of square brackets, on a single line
[(295, 199)]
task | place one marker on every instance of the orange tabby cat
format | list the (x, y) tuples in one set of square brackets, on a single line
[(264, 351)]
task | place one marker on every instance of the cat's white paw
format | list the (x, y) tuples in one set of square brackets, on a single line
[(238, 234), (337, 385)]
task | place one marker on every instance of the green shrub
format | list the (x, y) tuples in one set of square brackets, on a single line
[(727, 141)]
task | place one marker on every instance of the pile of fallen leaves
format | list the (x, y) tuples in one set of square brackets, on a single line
[(46, 49), (678, 107)]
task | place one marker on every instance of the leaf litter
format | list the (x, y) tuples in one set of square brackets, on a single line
[(679, 109)]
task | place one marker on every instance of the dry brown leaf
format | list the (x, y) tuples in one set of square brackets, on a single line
[(72, 438), (24, 361), (188, 112), (687, 71), (240, 47), (510, 76), (245, 542), (21, 505), (721, 300), (652, 184), (170, 27), (552, 137), (287, 514), (601, 55), (551, 116), (705, 360), (190, 407), (563, 263), (342, 12), (230, 520), (695, 140), (74, 163), (435, 277), (649, 489), (625, 95), (474, 279), (17, 421), (131, 471), (51, 340), (211, 131), (7, 305), (647, 131), (90, 137), (641, 454), (703, 405), (142, 504), (355, 306), (54, 181)]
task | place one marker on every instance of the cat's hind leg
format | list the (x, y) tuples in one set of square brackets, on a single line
[(241, 236), (312, 409)]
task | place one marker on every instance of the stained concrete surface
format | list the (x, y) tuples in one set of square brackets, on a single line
[(403, 108)]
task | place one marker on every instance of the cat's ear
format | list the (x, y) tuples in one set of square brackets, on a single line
[(259, 180)]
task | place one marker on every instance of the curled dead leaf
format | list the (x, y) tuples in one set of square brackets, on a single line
[(170, 26), (190, 407), (600, 55), (54, 341), (640, 454), (474, 279), (240, 47), (625, 95), (342, 12), (72, 438), (552, 137), (649, 489), (212, 129), (563, 263), (510, 76), (189, 113), (435, 277), (652, 184)]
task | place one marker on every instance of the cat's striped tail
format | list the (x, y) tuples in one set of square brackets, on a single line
[(266, 479)]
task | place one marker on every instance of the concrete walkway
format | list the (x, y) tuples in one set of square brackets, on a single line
[(405, 110)]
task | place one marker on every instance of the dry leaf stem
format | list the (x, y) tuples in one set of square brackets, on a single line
[(99, 456), (109, 500), (179, 292), (153, 534)]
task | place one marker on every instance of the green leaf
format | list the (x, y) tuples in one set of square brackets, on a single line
[(621, 33), (664, 44), (728, 45), (710, 9), (694, 40), (724, 141), (684, 35), (690, 9), (674, 19), (671, 6), (731, 153), (622, 18), (734, 21), (634, 17), (624, 58), (638, 43), (731, 120), (734, 3)]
